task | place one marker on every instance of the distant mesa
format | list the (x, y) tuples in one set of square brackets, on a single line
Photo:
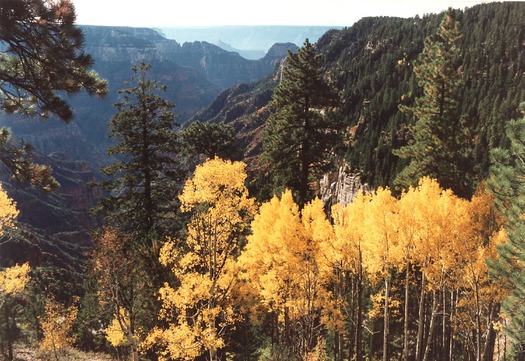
[(251, 42)]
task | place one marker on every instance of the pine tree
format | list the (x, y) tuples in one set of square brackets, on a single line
[(208, 139), (143, 187), (41, 60), (141, 194), (440, 144), (506, 182), (300, 133), (41, 57)]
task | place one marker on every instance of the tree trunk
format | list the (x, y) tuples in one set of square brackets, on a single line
[(8, 335), (386, 323), (446, 320), (421, 320), (431, 328), (451, 335), (405, 322), (490, 341), (359, 311)]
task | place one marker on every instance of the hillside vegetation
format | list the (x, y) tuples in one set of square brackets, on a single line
[(208, 240), (371, 65)]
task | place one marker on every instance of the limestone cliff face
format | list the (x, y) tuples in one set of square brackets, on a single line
[(341, 186), (222, 68)]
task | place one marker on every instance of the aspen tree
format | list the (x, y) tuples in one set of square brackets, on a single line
[(282, 264), (200, 309)]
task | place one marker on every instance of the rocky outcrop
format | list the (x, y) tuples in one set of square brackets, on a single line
[(341, 186)]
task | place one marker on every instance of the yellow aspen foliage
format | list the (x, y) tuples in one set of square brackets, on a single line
[(57, 326), (380, 236), (342, 251), (200, 309), (119, 284), (114, 334), (8, 211), (480, 294), (434, 223), (281, 263), (14, 279), (449, 240)]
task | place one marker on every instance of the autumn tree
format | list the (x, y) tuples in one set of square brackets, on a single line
[(444, 242), (199, 309), (57, 328), (507, 186), (481, 296), (120, 285), (380, 250), (282, 266), (432, 245), (440, 146), (42, 62), (13, 280), (301, 130), (343, 255)]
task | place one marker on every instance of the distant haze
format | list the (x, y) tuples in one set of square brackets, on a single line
[(251, 42), (167, 13)]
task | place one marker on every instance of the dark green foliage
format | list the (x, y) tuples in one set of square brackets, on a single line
[(208, 140), (375, 68), (440, 144), (300, 132), (42, 56), (371, 63), (142, 197), (508, 186), (18, 159), (144, 182), (41, 60)]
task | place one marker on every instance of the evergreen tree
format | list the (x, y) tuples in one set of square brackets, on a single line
[(506, 182), (41, 59), (439, 147), (208, 139), (300, 132), (143, 183)]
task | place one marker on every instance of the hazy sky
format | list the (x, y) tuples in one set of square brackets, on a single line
[(165, 13)]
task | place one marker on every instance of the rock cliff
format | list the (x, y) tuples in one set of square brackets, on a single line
[(341, 186)]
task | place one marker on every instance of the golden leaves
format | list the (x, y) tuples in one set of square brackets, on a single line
[(8, 211), (114, 334), (14, 279), (200, 309), (281, 262), (57, 326)]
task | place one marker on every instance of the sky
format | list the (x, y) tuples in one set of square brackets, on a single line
[(175, 13)]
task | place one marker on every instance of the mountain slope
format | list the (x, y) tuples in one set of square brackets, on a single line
[(54, 228), (371, 66)]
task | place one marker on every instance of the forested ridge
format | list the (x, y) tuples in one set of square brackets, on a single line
[(211, 242), (371, 65)]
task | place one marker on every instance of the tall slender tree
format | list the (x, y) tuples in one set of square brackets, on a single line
[(300, 132), (143, 183), (506, 182), (141, 198), (439, 147), (200, 309)]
